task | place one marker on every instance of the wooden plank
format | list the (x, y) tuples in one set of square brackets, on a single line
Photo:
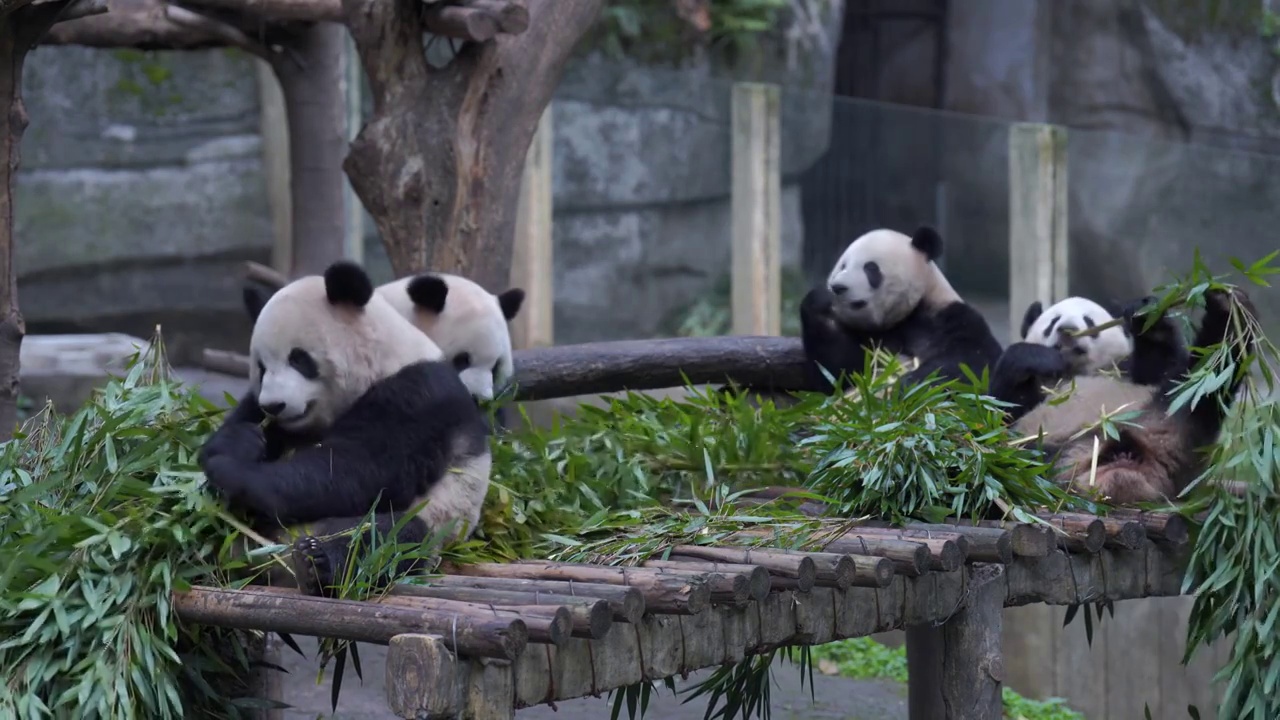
[(532, 256), (756, 199), (1038, 259), (274, 127)]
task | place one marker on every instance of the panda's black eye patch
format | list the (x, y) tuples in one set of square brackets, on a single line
[(262, 369), (1048, 329), (462, 361), (874, 277), (302, 361), (1088, 322)]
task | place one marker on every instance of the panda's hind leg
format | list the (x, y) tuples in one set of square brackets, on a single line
[(324, 558)]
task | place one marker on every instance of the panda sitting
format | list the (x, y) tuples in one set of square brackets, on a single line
[(886, 290), (370, 413), (1153, 455), (467, 322)]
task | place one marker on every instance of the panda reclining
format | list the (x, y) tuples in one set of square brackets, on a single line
[(1156, 454), (373, 417)]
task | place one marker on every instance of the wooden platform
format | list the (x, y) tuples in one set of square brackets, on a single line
[(486, 640)]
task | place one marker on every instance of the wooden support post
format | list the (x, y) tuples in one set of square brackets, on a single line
[(532, 256), (1038, 260), (274, 126), (757, 210), (956, 670), (353, 84)]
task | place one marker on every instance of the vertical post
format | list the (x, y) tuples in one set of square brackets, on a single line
[(972, 667), (757, 210), (533, 254), (352, 81), (274, 126), (1038, 260)]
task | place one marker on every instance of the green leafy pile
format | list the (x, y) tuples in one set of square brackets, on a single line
[(102, 520)]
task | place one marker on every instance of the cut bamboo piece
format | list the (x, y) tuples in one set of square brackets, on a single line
[(797, 566), (909, 557), (670, 593), (1027, 540), (757, 581), (1080, 533), (553, 629), (988, 545), (1166, 528), (591, 616), (1117, 532), (626, 602)]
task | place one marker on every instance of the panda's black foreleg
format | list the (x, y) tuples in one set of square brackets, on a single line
[(1208, 414), (1021, 372), (334, 549), (1159, 354), (827, 345)]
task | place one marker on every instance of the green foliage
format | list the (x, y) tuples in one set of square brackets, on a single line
[(866, 659), (926, 451), (651, 29), (103, 519)]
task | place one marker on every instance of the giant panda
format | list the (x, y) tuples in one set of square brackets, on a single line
[(468, 322), (887, 290), (1057, 326), (1156, 454), (348, 405)]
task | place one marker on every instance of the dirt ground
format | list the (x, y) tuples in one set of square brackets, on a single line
[(834, 698)]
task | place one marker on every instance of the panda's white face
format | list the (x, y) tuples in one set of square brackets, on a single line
[(880, 279), (467, 322), (318, 346), (1085, 354)]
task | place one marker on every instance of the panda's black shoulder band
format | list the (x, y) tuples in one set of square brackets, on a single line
[(346, 283), (429, 292), (928, 241)]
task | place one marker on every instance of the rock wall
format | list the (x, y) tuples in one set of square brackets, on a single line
[(141, 193), (1173, 130)]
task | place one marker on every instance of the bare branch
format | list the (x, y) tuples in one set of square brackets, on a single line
[(279, 10), (83, 8), (140, 24), (207, 25)]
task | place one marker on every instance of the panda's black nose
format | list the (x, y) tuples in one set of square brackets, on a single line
[(857, 304), (839, 289), (273, 409)]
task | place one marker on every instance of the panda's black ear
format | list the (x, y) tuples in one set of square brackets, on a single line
[(1034, 310), (255, 298), (928, 241), (346, 283), (510, 302), (429, 292)]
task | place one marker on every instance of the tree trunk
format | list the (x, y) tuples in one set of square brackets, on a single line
[(19, 30), (439, 163), (310, 75)]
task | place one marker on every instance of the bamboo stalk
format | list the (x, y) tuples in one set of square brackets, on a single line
[(669, 593), (627, 603)]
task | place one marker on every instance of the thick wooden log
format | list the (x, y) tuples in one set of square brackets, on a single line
[(422, 677), (757, 578), (1117, 532), (909, 557), (664, 591), (591, 621), (945, 554), (273, 610), (627, 603), (796, 566), (920, 531), (759, 362), (1077, 533), (515, 598), (1027, 540), (766, 363), (1165, 528), (552, 628), (989, 545), (461, 23)]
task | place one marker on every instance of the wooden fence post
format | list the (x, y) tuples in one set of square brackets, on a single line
[(352, 91), (1038, 244), (275, 165), (757, 210), (532, 256)]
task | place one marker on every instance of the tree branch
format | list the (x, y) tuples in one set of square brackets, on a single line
[(440, 162), (141, 24), (214, 28)]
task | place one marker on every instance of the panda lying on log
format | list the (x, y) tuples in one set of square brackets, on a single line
[(1157, 453), (348, 406)]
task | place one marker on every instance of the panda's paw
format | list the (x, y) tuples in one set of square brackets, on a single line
[(311, 566), (1024, 362), (1219, 301), (244, 441), (1163, 331)]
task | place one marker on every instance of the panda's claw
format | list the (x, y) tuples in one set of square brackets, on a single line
[(311, 566)]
